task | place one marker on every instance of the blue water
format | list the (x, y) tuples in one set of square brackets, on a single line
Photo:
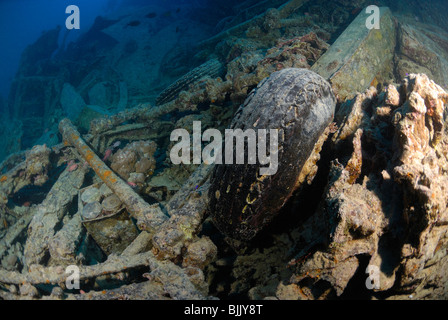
[(23, 21)]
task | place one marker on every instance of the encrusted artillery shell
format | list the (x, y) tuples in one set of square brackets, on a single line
[(91, 195), (300, 104), (91, 210), (112, 233), (111, 204)]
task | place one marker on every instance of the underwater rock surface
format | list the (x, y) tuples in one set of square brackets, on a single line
[(398, 156), (422, 49), (383, 208)]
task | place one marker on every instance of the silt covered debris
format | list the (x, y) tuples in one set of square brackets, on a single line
[(97, 190)]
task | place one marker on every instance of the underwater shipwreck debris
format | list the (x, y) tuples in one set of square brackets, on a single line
[(300, 104), (388, 202), (148, 217), (213, 68), (213, 90), (296, 53), (108, 222), (359, 55), (174, 280), (282, 12), (382, 208), (106, 219), (135, 161), (422, 49), (379, 193), (187, 209), (50, 213), (186, 216), (32, 171), (165, 278)]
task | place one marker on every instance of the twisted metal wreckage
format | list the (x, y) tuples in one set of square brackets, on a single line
[(185, 210), (397, 150), (166, 232)]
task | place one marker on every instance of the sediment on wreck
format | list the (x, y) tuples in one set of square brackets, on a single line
[(421, 49), (360, 57), (386, 203), (213, 68), (50, 213), (51, 246), (299, 52), (380, 192), (282, 12), (379, 230)]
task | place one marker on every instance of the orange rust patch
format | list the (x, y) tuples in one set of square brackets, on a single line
[(439, 245), (73, 137), (89, 155), (107, 174), (3, 178)]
